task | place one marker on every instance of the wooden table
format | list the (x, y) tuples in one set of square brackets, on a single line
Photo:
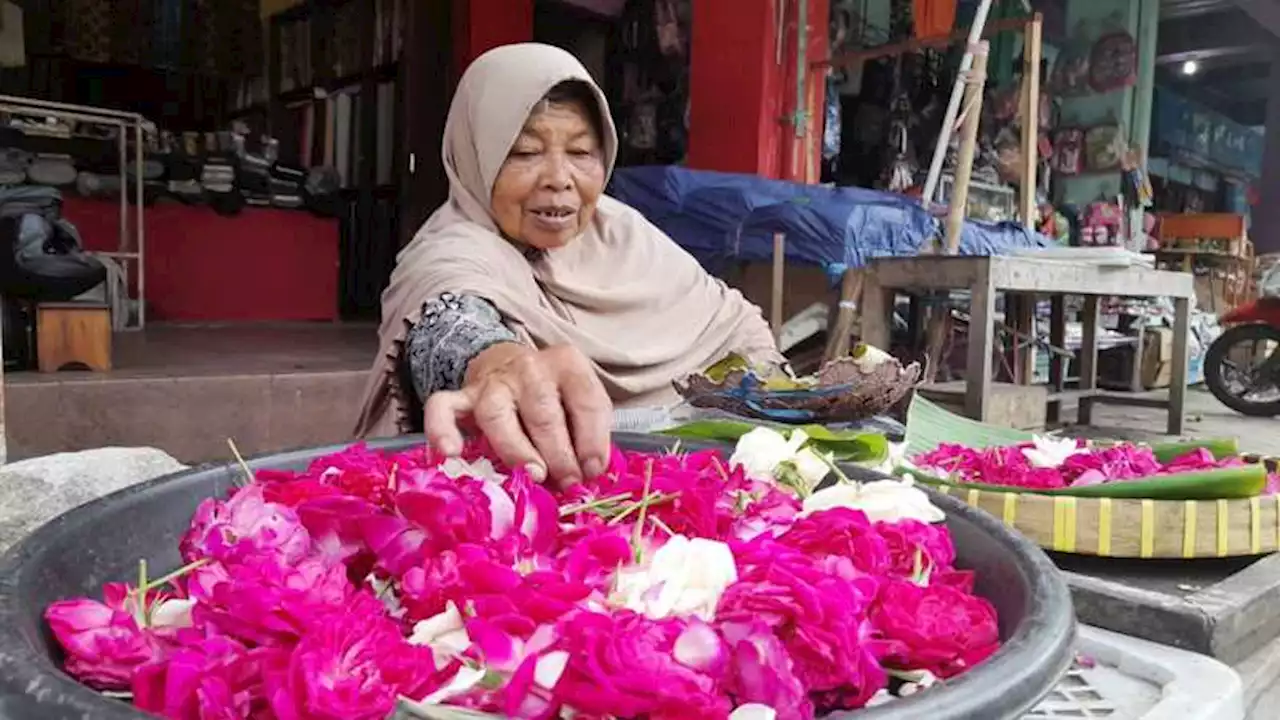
[(984, 277)]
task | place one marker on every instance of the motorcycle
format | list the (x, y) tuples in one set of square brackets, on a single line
[(1242, 366)]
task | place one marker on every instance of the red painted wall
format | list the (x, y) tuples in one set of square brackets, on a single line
[(743, 87), (262, 265), (480, 25), (734, 87)]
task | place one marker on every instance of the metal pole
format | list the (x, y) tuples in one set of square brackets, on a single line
[(953, 106), (141, 229)]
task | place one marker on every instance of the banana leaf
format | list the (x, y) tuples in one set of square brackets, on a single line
[(929, 425), (845, 445)]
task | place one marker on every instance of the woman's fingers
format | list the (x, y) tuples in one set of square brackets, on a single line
[(498, 419), (544, 421), (590, 413), (440, 415)]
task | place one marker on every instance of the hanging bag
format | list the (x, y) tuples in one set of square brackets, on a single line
[(1113, 64), (1070, 76), (1068, 151)]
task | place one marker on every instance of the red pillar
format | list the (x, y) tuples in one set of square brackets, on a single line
[(480, 25), (743, 89)]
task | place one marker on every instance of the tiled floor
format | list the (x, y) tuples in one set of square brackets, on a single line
[(187, 389)]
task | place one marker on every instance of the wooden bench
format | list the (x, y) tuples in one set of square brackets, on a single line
[(73, 335)]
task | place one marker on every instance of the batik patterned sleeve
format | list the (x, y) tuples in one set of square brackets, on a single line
[(452, 331)]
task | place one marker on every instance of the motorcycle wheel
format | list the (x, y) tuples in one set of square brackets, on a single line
[(1215, 360)]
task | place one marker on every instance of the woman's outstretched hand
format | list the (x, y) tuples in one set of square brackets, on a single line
[(542, 409)]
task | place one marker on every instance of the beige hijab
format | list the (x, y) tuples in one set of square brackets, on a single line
[(623, 293)]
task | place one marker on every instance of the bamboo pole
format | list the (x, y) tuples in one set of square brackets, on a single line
[(953, 105), (846, 314), (975, 83), (1032, 52), (779, 268)]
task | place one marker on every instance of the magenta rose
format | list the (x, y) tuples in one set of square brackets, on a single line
[(207, 677), (936, 628), (450, 512), (818, 609), (263, 602), (102, 640), (842, 532), (245, 526), (353, 666), (624, 665), (762, 672), (910, 542)]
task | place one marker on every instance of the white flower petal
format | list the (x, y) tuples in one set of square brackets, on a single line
[(172, 613), (467, 678), (548, 669), (444, 633), (698, 647), (753, 711)]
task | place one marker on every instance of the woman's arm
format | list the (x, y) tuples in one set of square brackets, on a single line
[(454, 329)]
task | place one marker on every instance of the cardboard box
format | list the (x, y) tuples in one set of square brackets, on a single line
[(1157, 358)]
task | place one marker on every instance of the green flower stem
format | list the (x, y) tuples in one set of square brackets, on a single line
[(244, 466), (593, 504), (637, 534)]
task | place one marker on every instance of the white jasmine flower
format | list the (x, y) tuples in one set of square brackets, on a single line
[(684, 577), (766, 454), (1051, 452), (882, 501)]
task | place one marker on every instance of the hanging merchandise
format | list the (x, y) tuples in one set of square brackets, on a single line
[(831, 128), (1068, 151), (1102, 222), (1006, 103), (1070, 76), (933, 18), (1136, 185), (667, 22), (900, 173), (1008, 155), (1113, 63), (1104, 147)]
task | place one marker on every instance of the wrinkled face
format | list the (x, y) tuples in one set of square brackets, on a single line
[(547, 189)]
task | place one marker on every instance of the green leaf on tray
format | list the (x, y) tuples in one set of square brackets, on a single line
[(929, 425), (845, 445), (849, 445), (713, 430)]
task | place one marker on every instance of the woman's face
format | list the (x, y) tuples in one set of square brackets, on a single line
[(547, 189)]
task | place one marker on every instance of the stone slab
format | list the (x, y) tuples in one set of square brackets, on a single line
[(1225, 608), (35, 491)]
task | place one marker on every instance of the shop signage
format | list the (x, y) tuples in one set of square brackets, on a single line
[(1196, 134)]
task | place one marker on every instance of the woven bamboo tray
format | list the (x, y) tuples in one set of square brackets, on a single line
[(1131, 528)]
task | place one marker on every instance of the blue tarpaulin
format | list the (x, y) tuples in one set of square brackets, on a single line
[(722, 217)]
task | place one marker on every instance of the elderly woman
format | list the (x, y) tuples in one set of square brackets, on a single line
[(531, 303)]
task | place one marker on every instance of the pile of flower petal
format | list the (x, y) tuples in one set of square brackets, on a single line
[(1052, 463), (671, 587)]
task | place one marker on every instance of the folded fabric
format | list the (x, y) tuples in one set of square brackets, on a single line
[(55, 170), (151, 169)]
